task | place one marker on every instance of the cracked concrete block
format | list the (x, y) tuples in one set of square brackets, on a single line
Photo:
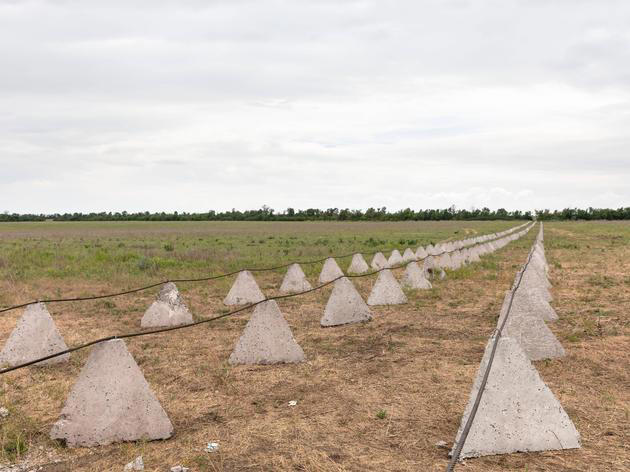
[(168, 310)]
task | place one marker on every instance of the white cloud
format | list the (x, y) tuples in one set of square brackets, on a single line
[(197, 105)]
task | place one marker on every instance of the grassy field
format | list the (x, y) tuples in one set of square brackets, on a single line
[(40, 260), (374, 396)]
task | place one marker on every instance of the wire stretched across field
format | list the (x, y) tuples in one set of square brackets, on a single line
[(195, 323), (207, 320), (221, 276), (486, 374)]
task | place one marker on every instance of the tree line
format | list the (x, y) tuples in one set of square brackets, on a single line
[(333, 214)]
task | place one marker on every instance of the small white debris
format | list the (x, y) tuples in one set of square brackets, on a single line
[(293, 403), (179, 468), (4, 412), (212, 447), (441, 444), (136, 464)]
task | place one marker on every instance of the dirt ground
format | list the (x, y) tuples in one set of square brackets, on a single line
[(371, 397)]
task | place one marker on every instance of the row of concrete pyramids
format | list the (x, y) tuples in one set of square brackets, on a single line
[(517, 411), (36, 335), (105, 407)]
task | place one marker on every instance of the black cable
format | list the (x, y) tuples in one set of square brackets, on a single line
[(484, 381), (204, 279), (207, 320)]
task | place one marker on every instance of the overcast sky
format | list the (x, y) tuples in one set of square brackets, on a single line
[(197, 105)]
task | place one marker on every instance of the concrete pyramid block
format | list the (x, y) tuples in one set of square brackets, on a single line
[(330, 271), (408, 255), (244, 290), (295, 280), (358, 265), (457, 259), (530, 331), (421, 253), (267, 339), (386, 290), (534, 337), (535, 304), (444, 260), (168, 310), (395, 258), (345, 305), (111, 402), (34, 336), (379, 261), (414, 277), (518, 412)]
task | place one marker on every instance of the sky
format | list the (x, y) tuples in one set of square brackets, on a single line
[(196, 105)]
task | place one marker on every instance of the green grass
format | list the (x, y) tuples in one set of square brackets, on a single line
[(136, 252)]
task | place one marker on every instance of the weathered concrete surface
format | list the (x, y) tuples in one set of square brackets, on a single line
[(34, 336), (443, 260), (294, 280), (345, 305), (537, 279), (110, 402), (530, 331), (358, 265), (534, 303), (408, 255), (517, 412), (379, 261), (168, 310), (244, 290), (394, 259), (330, 271), (386, 290), (534, 337), (267, 339), (414, 277), (421, 253), (533, 280)]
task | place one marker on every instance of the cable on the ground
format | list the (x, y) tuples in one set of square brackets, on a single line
[(484, 381)]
